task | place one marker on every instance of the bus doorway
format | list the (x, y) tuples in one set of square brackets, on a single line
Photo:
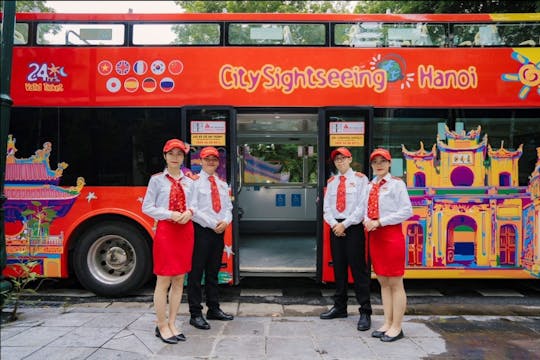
[(277, 193)]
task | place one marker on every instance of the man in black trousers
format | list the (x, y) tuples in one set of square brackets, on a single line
[(344, 208), (212, 215)]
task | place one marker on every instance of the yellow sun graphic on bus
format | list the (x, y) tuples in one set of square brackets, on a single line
[(528, 75)]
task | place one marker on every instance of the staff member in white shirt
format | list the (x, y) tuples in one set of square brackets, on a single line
[(344, 207), (213, 213), (168, 200), (388, 206)]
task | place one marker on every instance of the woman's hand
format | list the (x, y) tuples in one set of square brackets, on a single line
[(371, 225)]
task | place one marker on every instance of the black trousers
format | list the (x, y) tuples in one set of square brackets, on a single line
[(207, 255), (350, 250)]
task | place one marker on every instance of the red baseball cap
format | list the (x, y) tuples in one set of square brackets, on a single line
[(380, 152), (340, 150), (175, 143), (209, 151)]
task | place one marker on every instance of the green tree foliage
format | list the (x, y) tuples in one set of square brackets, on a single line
[(30, 6), (265, 6), (447, 7)]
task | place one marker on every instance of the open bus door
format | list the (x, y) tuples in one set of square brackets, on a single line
[(340, 126), (216, 126)]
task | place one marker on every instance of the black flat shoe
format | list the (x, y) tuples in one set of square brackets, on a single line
[(180, 337), (218, 314), (171, 340), (377, 334), (333, 313), (387, 338), (199, 323)]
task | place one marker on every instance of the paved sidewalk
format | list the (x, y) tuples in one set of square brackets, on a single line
[(120, 330)]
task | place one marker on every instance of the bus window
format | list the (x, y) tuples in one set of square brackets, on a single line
[(20, 35), (416, 35), (408, 127), (176, 34), (277, 34), (476, 35), (80, 34), (522, 34), (509, 129), (363, 34)]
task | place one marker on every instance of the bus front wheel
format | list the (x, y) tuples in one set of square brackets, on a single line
[(112, 259)]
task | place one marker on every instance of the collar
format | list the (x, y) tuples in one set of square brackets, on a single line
[(387, 178), (166, 172)]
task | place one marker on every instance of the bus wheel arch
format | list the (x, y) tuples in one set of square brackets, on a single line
[(111, 255)]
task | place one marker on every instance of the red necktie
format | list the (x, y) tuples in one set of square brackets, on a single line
[(216, 202), (177, 197), (373, 201), (341, 202)]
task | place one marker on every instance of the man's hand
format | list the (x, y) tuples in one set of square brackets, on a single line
[(339, 229), (220, 227)]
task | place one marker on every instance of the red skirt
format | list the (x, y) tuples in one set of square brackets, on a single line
[(173, 248), (387, 250)]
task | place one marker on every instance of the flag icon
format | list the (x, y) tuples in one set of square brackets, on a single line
[(131, 84), (158, 67), (140, 67), (149, 84), (122, 67), (176, 67), (104, 67), (113, 85), (166, 84)]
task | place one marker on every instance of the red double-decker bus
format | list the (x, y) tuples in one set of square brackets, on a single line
[(454, 97)]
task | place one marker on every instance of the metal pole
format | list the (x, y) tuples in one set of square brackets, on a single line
[(6, 55)]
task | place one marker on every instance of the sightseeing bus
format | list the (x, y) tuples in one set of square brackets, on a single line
[(454, 97)]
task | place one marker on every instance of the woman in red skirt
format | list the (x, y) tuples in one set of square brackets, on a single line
[(168, 199), (388, 206)]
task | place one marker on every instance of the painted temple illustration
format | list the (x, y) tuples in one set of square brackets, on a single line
[(469, 212), (34, 200)]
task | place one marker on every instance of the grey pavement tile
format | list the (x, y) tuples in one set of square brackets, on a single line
[(16, 352), (147, 322), (246, 326), (240, 347), (431, 345), (261, 292), (131, 306), (344, 348), (89, 337), (9, 331), (290, 348), (336, 327), (61, 353), (127, 340), (216, 327), (197, 346), (150, 341), (70, 319), (37, 336), (297, 327), (106, 354), (114, 320), (404, 348)]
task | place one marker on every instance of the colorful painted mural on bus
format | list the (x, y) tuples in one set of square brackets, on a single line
[(34, 201), (470, 215)]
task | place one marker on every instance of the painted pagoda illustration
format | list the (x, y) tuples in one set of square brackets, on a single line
[(34, 201), (469, 212)]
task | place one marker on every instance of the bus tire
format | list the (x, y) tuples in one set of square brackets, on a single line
[(112, 259)]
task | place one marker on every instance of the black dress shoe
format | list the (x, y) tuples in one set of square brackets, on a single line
[(180, 337), (199, 323), (364, 323), (377, 334), (171, 340), (333, 313), (218, 314), (387, 338)]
